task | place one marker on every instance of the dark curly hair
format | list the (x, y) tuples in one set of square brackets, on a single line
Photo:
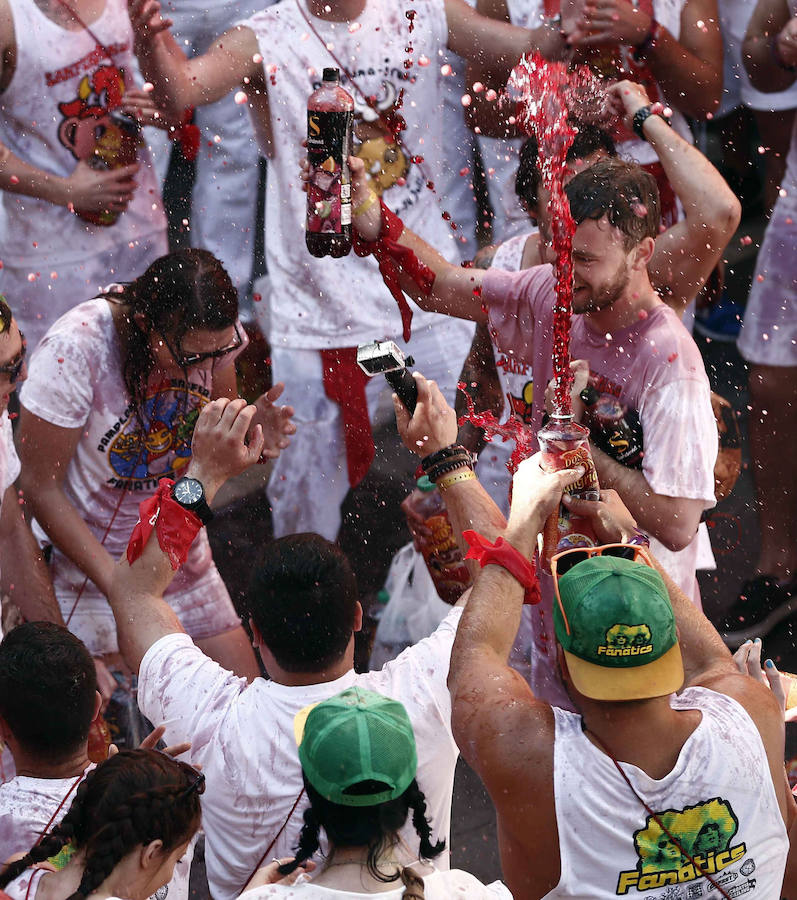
[(375, 827), (179, 292), (133, 798)]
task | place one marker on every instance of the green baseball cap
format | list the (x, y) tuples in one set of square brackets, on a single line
[(616, 626), (354, 737)]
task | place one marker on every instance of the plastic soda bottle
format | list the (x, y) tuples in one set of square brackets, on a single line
[(440, 551), (565, 445), (330, 112), (117, 146)]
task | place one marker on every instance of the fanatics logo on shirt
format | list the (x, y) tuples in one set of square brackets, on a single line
[(703, 836)]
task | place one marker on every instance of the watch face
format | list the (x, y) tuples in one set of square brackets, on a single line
[(188, 491)]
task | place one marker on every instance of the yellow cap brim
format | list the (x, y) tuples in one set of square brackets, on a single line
[(300, 720), (664, 675)]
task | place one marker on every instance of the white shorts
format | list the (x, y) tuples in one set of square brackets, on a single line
[(199, 598), (769, 330), (309, 481)]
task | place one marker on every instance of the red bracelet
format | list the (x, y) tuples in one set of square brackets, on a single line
[(175, 526), (502, 553), (394, 258)]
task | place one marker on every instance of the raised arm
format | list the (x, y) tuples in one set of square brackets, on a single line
[(232, 60), (687, 253), (688, 68), (769, 50), (219, 451)]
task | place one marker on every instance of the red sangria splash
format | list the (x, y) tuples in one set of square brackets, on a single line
[(547, 95)]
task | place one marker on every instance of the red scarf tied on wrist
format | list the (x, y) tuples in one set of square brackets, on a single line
[(175, 526), (503, 554), (393, 259)]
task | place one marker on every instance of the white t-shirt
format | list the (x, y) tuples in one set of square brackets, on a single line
[(27, 885), (718, 801), (317, 303), (63, 88), (243, 738), (9, 461), (75, 381), (436, 886), (28, 806)]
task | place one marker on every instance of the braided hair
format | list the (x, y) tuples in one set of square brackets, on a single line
[(179, 292), (375, 827), (131, 799)]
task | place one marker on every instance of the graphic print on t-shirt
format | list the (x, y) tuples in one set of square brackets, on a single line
[(375, 126), (162, 449), (703, 832), (86, 117), (517, 385)]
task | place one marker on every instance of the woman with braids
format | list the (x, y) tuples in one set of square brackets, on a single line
[(358, 758), (132, 819), (113, 392)]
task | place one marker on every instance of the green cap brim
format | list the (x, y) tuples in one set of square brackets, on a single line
[(664, 675)]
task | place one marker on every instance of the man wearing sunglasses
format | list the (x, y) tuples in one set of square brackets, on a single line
[(23, 573), (669, 773)]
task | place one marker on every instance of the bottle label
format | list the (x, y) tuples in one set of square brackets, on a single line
[(444, 559), (329, 187)]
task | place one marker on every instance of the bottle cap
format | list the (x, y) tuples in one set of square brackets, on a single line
[(590, 395), (382, 597), (425, 485), (331, 74)]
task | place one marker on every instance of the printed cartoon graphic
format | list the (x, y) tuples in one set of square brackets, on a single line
[(86, 117), (163, 449), (703, 832), (521, 406), (375, 127), (324, 197)]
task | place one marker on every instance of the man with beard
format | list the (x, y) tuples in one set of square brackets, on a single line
[(625, 340)]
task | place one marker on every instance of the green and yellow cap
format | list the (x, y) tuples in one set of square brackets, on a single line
[(353, 739), (616, 626)]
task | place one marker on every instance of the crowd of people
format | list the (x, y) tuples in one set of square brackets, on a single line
[(154, 732)]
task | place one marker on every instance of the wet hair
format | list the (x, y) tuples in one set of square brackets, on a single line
[(48, 688), (623, 192), (588, 140), (375, 827), (179, 292), (131, 799), (302, 598)]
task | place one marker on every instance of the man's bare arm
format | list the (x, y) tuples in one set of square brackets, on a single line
[(685, 254), (769, 45), (232, 60), (136, 595)]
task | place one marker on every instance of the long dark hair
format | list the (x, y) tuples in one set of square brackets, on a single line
[(375, 827), (179, 292), (135, 797)]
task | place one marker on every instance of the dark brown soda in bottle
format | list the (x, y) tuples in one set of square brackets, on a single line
[(330, 111), (117, 146)]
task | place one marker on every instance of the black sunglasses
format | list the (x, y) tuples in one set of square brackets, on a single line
[(196, 786), (193, 359), (14, 368)]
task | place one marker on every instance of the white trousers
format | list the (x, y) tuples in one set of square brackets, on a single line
[(310, 479), (224, 198)]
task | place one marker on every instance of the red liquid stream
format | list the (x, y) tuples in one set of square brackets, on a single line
[(511, 430), (547, 92)]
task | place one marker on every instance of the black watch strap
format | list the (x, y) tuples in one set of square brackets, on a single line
[(201, 509), (642, 115)]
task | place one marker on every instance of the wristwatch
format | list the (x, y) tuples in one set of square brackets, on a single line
[(190, 494), (643, 114)]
